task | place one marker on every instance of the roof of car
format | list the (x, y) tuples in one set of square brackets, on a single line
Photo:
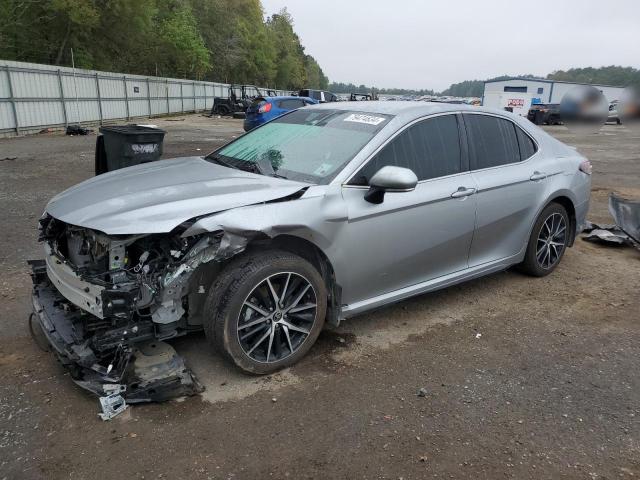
[(285, 97), (392, 108), (403, 108)]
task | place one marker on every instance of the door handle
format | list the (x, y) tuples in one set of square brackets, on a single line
[(463, 192), (537, 176)]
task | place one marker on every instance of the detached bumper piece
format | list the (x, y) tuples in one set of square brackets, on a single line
[(626, 230), (106, 358), (626, 213)]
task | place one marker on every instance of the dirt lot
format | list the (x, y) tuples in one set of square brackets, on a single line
[(525, 378)]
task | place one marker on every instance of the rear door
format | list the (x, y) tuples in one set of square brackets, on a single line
[(503, 165), (411, 237)]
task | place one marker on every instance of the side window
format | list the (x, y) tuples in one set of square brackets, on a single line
[(430, 148), (527, 146), (316, 95), (493, 140), (291, 104)]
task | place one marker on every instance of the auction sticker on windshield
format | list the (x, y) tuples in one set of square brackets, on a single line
[(362, 118)]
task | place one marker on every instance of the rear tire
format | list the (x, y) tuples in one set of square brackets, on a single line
[(548, 241), (246, 319)]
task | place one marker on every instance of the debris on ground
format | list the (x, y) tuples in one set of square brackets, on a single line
[(7, 158), (478, 335), (78, 130), (112, 405), (422, 392), (605, 234), (626, 230), (626, 214)]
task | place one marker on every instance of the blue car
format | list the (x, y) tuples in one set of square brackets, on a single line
[(264, 109)]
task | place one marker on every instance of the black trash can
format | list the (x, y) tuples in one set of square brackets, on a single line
[(122, 146)]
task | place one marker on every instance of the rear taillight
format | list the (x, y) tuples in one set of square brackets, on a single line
[(586, 167), (264, 108)]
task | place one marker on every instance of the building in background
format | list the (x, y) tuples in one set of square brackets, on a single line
[(520, 93)]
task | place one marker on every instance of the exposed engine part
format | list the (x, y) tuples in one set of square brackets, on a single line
[(138, 276)]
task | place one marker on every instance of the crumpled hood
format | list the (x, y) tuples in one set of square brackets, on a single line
[(157, 197)]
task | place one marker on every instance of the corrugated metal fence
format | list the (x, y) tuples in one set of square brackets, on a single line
[(34, 96)]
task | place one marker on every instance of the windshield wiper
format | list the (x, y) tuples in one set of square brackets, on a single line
[(218, 159), (254, 167)]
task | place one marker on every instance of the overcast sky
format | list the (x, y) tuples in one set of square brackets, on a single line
[(431, 44)]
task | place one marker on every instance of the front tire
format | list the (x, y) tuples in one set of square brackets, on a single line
[(265, 310), (547, 242)]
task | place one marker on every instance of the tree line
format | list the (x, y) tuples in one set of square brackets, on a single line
[(218, 40), (340, 87), (612, 75)]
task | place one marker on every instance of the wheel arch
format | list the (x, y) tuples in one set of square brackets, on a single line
[(316, 256), (569, 206)]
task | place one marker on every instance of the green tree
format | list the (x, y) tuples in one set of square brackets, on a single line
[(183, 49), (290, 72), (220, 40)]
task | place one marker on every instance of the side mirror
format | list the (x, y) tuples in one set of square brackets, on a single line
[(390, 179)]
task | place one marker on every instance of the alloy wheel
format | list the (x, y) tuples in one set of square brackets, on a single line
[(551, 240), (277, 317)]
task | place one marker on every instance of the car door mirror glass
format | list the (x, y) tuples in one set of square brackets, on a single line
[(390, 179)]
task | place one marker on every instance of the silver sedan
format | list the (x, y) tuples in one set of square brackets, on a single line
[(322, 214)]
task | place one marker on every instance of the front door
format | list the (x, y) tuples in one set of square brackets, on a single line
[(411, 237)]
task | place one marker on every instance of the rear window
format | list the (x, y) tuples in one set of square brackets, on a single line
[(291, 104), (527, 146), (308, 145)]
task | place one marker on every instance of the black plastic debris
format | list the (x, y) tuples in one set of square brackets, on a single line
[(78, 130)]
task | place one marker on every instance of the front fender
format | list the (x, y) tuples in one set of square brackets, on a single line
[(317, 217)]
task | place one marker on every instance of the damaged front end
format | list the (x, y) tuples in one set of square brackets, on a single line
[(106, 304)]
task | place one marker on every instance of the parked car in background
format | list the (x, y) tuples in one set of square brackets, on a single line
[(545, 114), (321, 96), (362, 97), (265, 109), (614, 114), (323, 213)]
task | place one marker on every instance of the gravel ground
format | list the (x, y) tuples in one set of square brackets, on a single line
[(523, 377)]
